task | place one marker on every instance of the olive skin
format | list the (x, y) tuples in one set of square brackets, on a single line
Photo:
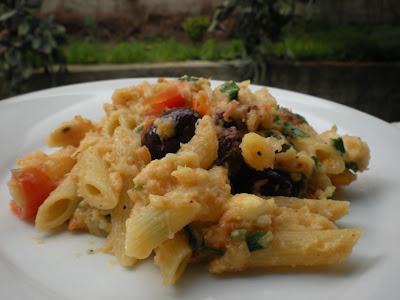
[(229, 153), (184, 120), (267, 183)]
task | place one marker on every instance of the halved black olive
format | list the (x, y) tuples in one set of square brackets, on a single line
[(184, 122), (267, 182), (229, 153)]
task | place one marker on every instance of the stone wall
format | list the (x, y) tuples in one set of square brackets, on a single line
[(122, 13), (138, 12)]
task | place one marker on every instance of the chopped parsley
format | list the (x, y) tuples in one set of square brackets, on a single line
[(285, 147), (139, 128), (194, 238), (138, 187), (301, 118), (210, 251), (290, 130), (352, 166), (277, 119), (274, 133), (238, 234), (188, 78), (338, 144), (316, 160), (231, 89), (197, 244), (258, 240)]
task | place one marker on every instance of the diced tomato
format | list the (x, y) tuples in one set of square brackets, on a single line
[(168, 98), (200, 104), (34, 187)]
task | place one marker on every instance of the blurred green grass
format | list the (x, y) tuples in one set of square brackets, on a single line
[(149, 51), (299, 42), (311, 42)]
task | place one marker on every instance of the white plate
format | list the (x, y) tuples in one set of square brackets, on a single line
[(60, 268)]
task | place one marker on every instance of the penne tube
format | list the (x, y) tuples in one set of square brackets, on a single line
[(116, 238), (289, 219), (204, 143), (172, 257), (59, 206), (94, 182), (293, 249), (151, 226), (332, 209)]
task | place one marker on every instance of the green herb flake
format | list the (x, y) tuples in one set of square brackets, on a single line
[(210, 251), (197, 244), (316, 160), (258, 240), (285, 147), (231, 89), (277, 119), (301, 118), (352, 166), (138, 187), (193, 237), (338, 144), (270, 132), (294, 132), (238, 234), (139, 128), (188, 78)]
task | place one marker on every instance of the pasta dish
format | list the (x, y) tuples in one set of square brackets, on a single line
[(224, 177)]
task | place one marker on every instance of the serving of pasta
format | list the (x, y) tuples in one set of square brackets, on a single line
[(224, 177)]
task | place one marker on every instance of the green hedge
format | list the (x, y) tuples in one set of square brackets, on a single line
[(341, 43)]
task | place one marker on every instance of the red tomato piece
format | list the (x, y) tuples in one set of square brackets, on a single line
[(34, 186), (168, 98)]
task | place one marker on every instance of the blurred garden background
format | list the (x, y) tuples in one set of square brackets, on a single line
[(345, 51)]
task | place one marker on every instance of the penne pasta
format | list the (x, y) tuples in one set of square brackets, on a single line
[(151, 226), (94, 183), (59, 206), (332, 209), (172, 257), (291, 249)]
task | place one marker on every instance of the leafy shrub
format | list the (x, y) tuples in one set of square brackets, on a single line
[(196, 28), (26, 42), (257, 23)]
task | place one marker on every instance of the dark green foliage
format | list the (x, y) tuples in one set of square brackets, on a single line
[(27, 42), (257, 23), (196, 28), (314, 41)]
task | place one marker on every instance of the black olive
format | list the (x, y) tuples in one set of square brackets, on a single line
[(229, 153), (184, 120), (267, 182)]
